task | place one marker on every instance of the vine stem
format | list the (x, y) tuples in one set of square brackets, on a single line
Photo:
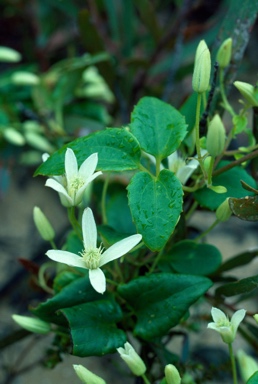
[(197, 133), (233, 363), (213, 225), (226, 104), (146, 381), (103, 200), (235, 163)]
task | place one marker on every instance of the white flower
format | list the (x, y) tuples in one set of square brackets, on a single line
[(224, 326), (72, 185), (132, 359), (92, 257)]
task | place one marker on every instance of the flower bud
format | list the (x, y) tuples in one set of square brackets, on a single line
[(132, 359), (223, 212), (13, 136), (9, 55), (87, 376), (172, 374), (202, 68), (248, 92), (38, 141), (216, 137), (24, 78), (256, 318), (43, 225), (224, 53), (32, 324), (247, 365)]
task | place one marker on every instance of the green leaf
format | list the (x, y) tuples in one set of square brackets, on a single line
[(158, 126), (241, 286), (77, 292), (156, 204), (229, 179), (245, 208), (93, 328), (188, 256), (239, 260), (117, 149), (253, 379), (162, 300)]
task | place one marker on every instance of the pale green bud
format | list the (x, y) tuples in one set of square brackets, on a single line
[(224, 53), (32, 324), (256, 318), (247, 91), (218, 188), (207, 163), (247, 365), (87, 376), (38, 141), (9, 55), (13, 136), (223, 212), (202, 68), (216, 137), (25, 78), (132, 359), (43, 225), (172, 375)]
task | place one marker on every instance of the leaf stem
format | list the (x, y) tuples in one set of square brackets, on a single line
[(226, 104), (233, 363), (197, 133), (146, 381), (216, 222), (103, 199)]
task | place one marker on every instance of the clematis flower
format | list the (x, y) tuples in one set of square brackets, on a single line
[(224, 326), (92, 257), (132, 359), (72, 185)]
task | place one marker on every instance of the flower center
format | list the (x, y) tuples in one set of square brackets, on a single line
[(76, 183), (91, 257), (223, 323)]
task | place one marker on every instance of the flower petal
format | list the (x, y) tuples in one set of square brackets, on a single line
[(71, 166), (237, 318), (120, 248), (65, 257), (218, 315), (89, 229), (88, 166), (80, 192), (54, 184), (97, 280)]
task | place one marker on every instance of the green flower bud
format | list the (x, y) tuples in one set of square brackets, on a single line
[(13, 136), (223, 212), (9, 55), (247, 365), (207, 163), (247, 91), (216, 137), (38, 141), (43, 225), (87, 376), (132, 359), (172, 374), (32, 324), (224, 53), (25, 78), (202, 68), (256, 318)]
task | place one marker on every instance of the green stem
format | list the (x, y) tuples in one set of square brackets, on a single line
[(197, 133), (53, 244), (146, 381), (103, 200), (226, 104), (216, 222), (233, 363), (158, 162), (209, 183), (74, 222), (155, 262), (191, 210)]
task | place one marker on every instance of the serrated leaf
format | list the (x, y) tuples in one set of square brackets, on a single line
[(158, 127), (156, 204), (162, 300), (93, 328), (187, 256), (241, 286), (117, 149), (229, 179)]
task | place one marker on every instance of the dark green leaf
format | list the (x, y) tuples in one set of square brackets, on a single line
[(93, 328), (158, 126), (162, 300), (241, 286), (188, 256), (117, 150), (245, 208), (77, 292), (253, 379), (239, 260), (156, 204), (109, 235), (229, 179)]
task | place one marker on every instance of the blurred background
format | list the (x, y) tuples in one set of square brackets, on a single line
[(79, 66)]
